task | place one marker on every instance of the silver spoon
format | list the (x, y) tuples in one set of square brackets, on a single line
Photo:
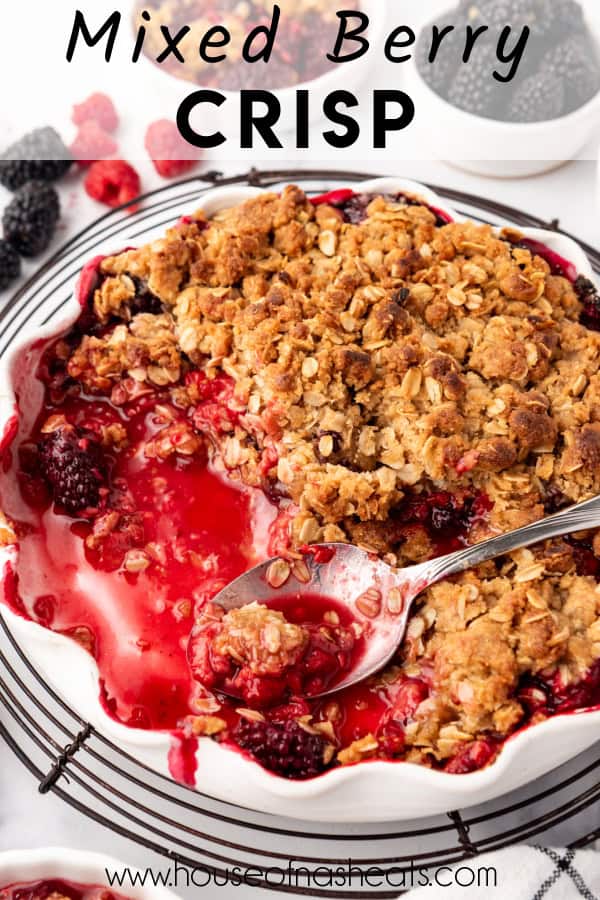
[(379, 597)]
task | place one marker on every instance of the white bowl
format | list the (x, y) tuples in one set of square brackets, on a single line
[(30, 866), (369, 792), (169, 90), (504, 149)]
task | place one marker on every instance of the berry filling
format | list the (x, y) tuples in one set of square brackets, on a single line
[(267, 655), (55, 889), (354, 206)]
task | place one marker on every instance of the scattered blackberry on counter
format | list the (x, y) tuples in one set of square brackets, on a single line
[(576, 61), (541, 96), (475, 90), (31, 217), (39, 156), (282, 747), (72, 465), (10, 264)]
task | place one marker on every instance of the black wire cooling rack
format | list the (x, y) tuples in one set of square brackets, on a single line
[(70, 758)]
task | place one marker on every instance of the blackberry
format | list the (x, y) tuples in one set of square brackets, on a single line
[(144, 301), (72, 464), (10, 264), (497, 14), (476, 90), (30, 218), (282, 747), (560, 17), (590, 299), (539, 98), (576, 62), (440, 73), (355, 209), (39, 156)]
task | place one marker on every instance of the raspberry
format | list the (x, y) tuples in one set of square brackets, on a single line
[(71, 463), (170, 153), (113, 182), (98, 108), (10, 264), (282, 747), (114, 534), (31, 217), (472, 757), (92, 143)]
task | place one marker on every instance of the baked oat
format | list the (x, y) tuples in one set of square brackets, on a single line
[(393, 379)]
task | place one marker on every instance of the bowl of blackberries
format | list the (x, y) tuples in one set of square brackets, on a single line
[(516, 81)]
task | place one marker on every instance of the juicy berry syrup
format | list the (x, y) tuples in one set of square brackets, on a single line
[(207, 531), (41, 890)]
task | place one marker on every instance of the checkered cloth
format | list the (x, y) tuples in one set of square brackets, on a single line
[(523, 873)]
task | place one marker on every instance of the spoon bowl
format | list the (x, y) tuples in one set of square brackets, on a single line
[(378, 598)]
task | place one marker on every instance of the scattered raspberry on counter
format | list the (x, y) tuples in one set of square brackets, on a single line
[(113, 182), (168, 150), (92, 143), (97, 108)]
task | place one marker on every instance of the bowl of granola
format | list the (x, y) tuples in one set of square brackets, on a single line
[(278, 372), (65, 874)]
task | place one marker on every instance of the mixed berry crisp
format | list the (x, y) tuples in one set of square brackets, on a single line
[(293, 372)]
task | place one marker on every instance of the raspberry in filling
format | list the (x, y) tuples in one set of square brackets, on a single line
[(291, 373)]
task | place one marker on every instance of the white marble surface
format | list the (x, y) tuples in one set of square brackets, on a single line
[(28, 820)]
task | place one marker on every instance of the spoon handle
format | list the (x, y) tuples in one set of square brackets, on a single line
[(575, 518)]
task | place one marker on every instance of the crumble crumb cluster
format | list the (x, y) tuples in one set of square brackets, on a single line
[(379, 377), (259, 638)]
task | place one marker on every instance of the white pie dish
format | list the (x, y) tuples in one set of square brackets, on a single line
[(372, 791), (75, 866)]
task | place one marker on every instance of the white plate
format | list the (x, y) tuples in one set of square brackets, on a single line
[(369, 792)]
